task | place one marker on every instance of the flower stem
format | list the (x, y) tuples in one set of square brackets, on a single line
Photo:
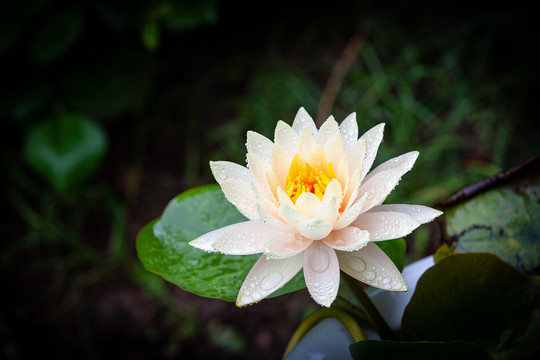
[(372, 312)]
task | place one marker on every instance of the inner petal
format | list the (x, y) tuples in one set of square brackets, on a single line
[(304, 177)]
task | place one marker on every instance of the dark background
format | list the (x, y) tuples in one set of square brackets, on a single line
[(173, 84)]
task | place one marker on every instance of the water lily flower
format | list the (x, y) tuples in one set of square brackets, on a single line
[(312, 204)]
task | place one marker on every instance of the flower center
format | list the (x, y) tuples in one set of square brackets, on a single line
[(303, 177)]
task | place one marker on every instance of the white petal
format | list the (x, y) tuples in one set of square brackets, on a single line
[(334, 149), (225, 170), (286, 137), (292, 216), (420, 213), (273, 220), (204, 242), (260, 170), (283, 198), (352, 213), (260, 145), (386, 225), (281, 162), (328, 129), (379, 186), (329, 209), (343, 172), (356, 155), (403, 163), (308, 203), (267, 276), (306, 144), (302, 121), (286, 245), (241, 195), (373, 139), (351, 191), (315, 229), (321, 271), (348, 239), (244, 238), (349, 130), (333, 189), (372, 266)]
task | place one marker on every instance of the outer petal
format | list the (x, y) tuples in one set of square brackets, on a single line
[(348, 239), (204, 242), (226, 170), (386, 225), (349, 130), (302, 121), (281, 161), (286, 137), (372, 266), (244, 238), (328, 129), (379, 186), (403, 163), (286, 245), (241, 195), (420, 213), (260, 145), (267, 276), (373, 139), (321, 271), (260, 170), (356, 155)]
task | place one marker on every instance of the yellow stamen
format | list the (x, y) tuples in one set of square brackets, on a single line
[(303, 177)]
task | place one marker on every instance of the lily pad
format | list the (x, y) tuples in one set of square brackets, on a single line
[(422, 350), (163, 246), (477, 298), (501, 217)]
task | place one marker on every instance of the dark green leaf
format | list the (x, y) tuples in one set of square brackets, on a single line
[(395, 249), (471, 297), (502, 220), (57, 34), (372, 349), (65, 150), (163, 247)]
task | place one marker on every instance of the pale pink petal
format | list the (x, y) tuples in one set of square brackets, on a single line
[(351, 191), (372, 266), (204, 242), (303, 121), (286, 245), (348, 239), (286, 137), (420, 213), (404, 163), (260, 169), (356, 155), (259, 145), (379, 186), (328, 210), (244, 238), (267, 276), (328, 129), (321, 271), (306, 144), (281, 162), (315, 229), (225, 170), (308, 203), (334, 149), (343, 172), (386, 225), (373, 139), (352, 213), (292, 216), (241, 195), (349, 130)]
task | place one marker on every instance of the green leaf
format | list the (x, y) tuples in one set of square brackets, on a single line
[(372, 349), (163, 247), (57, 34), (502, 220), (395, 249), (150, 35), (475, 298), (65, 150)]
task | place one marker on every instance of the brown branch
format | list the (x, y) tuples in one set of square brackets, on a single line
[(340, 70)]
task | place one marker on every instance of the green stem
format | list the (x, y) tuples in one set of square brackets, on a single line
[(372, 312)]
